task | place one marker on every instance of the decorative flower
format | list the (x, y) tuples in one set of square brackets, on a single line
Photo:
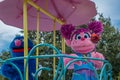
[(95, 38)]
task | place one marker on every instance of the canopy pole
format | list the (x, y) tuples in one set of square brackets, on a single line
[(45, 12), (63, 45), (54, 43), (63, 51), (25, 25), (38, 37)]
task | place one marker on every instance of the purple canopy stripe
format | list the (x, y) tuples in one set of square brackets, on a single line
[(74, 12)]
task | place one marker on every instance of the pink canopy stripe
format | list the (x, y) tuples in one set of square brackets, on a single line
[(74, 12)]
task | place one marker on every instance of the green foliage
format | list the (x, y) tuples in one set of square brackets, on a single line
[(46, 37), (5, 55), (110, 45)]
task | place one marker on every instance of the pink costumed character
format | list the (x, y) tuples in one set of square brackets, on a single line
[(83, 42)]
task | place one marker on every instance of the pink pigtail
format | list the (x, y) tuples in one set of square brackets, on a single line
[(66, 30), (96, 27)]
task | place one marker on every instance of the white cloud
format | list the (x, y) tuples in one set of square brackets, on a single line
[(7, 33), (109, 8)]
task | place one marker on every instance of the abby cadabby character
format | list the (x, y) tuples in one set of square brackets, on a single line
[(83, 42)]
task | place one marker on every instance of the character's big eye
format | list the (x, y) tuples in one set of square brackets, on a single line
[(86, 35), (77, 37)]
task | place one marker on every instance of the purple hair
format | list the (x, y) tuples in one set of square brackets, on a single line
[(68, 30), (95, 27)]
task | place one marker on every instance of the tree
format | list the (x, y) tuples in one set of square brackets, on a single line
[(4, 55), (110, 45)]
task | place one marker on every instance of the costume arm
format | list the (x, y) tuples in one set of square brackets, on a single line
[(67, 60), (8, 71), (97, 64)]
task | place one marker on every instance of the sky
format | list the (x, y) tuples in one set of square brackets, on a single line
[(7, 33), (109, 8)]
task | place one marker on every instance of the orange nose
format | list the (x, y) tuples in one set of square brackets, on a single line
[(82, 39)]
